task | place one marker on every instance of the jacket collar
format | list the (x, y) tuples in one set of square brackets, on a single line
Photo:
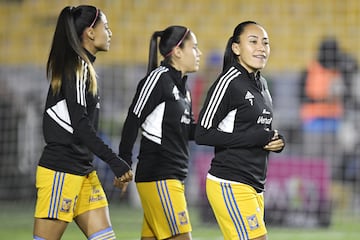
[(253, 75), (91, 57), (176, 76)]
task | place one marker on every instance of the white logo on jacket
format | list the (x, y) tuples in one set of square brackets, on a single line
[(266, 112), (175, 92), (185, 118), (250, 97), (264, 120)]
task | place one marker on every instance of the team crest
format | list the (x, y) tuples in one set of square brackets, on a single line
[(65, 205), (253, 222), (183, 218)]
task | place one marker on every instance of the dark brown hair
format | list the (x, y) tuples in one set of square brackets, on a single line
[(66, 49), (171, 37)]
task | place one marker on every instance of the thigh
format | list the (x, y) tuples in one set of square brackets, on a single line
[(57, 193), (91, 195), (238, 208), (165, 208), (91, 210)]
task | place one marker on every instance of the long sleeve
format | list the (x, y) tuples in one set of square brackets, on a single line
[(79, 102), (128, 137), (147, 97), (70, 124), (217, 110), (217, 138)]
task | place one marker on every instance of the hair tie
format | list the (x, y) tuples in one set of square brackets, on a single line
[(71, 9), (96, 16), (159, 33), (179, 43)]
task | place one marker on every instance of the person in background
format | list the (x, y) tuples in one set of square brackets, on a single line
[(67, 184), (162, 108), (330, 103), (236, 118), (322, 110), (323, 88)]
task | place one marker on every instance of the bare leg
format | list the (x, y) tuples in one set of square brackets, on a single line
[(183, 236), (93, 221), (264, 237), (49, 229)]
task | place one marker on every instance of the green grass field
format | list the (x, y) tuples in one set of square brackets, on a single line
[(17, 219)]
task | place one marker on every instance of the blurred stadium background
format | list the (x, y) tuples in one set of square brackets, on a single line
[(302, 190)]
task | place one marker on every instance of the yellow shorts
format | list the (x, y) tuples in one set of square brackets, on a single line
[(238, 208), (165, 208), (64, 196)]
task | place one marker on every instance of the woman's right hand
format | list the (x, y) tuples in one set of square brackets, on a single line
[(276, 144), (123, 181)]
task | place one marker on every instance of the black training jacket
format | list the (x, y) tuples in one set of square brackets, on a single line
[(236, 119), (162, 109), (70, 122)]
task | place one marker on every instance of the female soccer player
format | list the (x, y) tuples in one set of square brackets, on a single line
[(162, 108), (236, 119), (67, 184)]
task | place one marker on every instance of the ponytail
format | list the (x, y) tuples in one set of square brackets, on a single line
[(153, 51), (66, 50), (171, 37), (229, 55)]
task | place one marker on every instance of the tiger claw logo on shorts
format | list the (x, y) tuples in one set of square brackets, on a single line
[(253, 222), (65, 206), (183, 218)]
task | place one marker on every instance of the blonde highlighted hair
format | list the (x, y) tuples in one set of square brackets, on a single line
[(66, 53)]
